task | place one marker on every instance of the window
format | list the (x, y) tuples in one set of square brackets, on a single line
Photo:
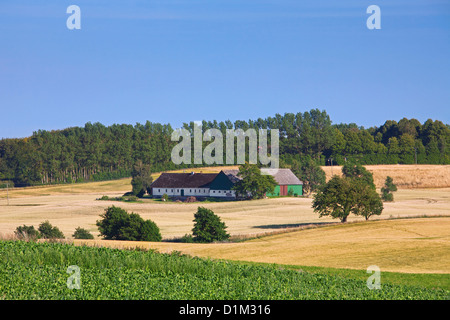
[(159, 190)]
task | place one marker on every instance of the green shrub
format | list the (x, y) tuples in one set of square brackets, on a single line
[(208, 227), (386, 191), (81, 233), (387, 197), (49, 232), (27, 233), (187, 238), (118, 224)]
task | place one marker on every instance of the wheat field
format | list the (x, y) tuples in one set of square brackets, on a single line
[(405, 176), (420, 245), (405, 245)]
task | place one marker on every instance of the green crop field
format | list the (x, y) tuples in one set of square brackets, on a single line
[(31, 270)]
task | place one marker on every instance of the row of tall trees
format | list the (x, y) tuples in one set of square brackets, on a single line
[(95, 152), (98, 152)]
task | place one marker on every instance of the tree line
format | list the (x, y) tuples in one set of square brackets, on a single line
[(97, 152)]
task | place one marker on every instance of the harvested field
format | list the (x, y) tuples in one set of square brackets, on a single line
[(244, 218), (405, 245), (405, 176), (416, 245)]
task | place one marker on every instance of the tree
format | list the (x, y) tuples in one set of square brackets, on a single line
[(253, 183), (208, 227), (118, 224), (386, 191), (81, 233), (27, 233), (49, 232), (368, 202), (311, 174), (344, 195), (141, 179), (357, 171)]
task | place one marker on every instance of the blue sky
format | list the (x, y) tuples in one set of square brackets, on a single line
[(174, 61)]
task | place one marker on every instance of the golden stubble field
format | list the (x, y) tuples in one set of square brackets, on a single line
[(406, 245)]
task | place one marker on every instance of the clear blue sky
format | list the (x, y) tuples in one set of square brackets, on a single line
[(174, 61)]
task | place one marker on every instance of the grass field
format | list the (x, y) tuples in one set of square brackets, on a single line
[(39, 271)]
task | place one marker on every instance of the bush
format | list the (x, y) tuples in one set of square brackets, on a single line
[(208, 227), (81, 233), (118, 224), (27, 233), (6, 184), (165, 197), (49, 232), (187, 238), (386, 191)]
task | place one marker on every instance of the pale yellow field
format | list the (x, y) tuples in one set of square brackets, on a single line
[(407, 245), (68, 211), (405, 175)]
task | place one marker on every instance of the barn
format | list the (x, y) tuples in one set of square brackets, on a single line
[(288, 183), (219, 185)]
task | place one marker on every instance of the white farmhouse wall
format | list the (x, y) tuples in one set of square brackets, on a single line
[(222, 193), (196, 192)]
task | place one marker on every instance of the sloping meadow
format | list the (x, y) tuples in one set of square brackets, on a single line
[(43, 271)]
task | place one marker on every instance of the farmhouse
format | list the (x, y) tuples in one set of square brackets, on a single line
[(182, 184), (219, 185)]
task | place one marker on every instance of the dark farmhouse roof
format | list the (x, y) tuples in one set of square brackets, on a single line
[(232, 175), (282, 176), (183, 180)]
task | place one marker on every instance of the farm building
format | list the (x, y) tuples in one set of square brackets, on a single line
[(219, 185), (182, 184), (288, 183)]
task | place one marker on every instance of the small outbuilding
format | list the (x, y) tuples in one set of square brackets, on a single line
[(288, 183)]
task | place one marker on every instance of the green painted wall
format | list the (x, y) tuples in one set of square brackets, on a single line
[(295, 189), (275, 193)]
